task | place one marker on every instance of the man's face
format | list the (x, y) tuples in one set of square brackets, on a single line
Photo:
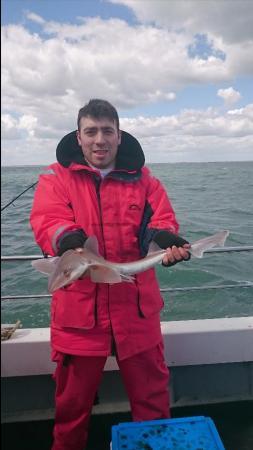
[(99, 139)]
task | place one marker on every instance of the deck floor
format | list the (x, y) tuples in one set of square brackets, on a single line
[(234, 423)]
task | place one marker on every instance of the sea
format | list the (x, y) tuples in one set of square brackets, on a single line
[(207, 198)]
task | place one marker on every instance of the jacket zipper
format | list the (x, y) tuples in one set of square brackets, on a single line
[(98, 184)]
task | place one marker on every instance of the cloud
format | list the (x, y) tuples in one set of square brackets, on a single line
[(191, 135), (225, 25), (60, 70), (9, 128), (88, 65), (229, 19), (47, 77), (35, 18), (229, 95), (12, 127), (194, 123), (195, 135)]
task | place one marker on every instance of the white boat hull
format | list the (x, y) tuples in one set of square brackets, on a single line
[(211, 361)]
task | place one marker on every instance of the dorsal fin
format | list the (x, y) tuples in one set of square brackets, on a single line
[(91, 244), (199, 247), (153, 247)]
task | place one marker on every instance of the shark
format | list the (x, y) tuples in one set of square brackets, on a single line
[(73, 264)]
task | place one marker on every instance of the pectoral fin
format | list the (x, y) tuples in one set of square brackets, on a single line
[(46, 265), (103, 274)]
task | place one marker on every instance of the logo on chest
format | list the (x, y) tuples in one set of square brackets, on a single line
[(134, 207)]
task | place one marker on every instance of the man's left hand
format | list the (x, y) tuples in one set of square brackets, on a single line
[(175, 254)]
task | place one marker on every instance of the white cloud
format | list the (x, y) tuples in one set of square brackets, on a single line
[(229, 95), (148, 63), (49, 78), (46, 78), (35, 18), (226, 23), (195, 135), (12, 127), (231, 19), (9, 128), (194, 123)]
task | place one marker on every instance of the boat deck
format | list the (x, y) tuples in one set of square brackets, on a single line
[(234, 422)]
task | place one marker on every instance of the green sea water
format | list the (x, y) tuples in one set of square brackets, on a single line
[(207, 197)]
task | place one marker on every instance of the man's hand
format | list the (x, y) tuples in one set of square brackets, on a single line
[(71, 240), (175, 254)]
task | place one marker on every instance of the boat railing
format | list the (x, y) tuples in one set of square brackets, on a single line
[(166, 289), (246, 248)]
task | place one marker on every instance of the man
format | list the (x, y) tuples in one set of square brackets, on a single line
[(99, 186)]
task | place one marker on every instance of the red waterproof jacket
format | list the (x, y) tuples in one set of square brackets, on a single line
[(124, 210)]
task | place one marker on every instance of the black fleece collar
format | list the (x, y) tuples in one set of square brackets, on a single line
[(130, 156)]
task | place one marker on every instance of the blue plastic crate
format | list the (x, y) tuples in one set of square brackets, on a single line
[(187, 433)]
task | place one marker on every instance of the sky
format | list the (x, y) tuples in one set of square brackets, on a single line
[(179, 72)]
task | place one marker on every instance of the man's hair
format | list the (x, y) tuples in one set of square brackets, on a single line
[(98, 109)]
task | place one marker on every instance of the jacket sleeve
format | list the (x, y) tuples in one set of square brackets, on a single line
[(52, 215), (158, 215)]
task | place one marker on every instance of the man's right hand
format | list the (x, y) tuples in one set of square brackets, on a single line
[(71, 240)]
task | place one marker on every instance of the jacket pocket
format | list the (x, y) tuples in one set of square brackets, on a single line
[(74, 306), (149, 296)]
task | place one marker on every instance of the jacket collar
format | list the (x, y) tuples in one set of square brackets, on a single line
[(130, 156)]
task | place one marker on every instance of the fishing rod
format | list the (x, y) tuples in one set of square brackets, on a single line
[(19, 195)]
